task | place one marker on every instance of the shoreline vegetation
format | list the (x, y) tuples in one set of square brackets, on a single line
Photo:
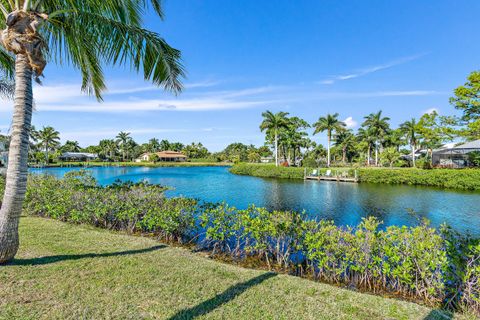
[(132, 164), (96, 274), (438, 268), (462, 179)]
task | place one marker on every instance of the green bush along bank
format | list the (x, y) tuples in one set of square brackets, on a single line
[(465, 179)]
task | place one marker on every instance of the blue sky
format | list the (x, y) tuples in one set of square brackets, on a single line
[(309, 58)]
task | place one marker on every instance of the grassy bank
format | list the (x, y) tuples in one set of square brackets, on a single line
[(465, 179), (137, 164), (66, 271)]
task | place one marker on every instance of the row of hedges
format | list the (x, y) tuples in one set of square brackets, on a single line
[(465, 179), (439, 267)]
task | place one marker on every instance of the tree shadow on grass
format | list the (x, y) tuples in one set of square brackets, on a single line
[(64, 257), (211, 304), (439, 315)]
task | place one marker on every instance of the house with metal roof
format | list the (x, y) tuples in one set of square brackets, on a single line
[(78, 156), (455, 156)]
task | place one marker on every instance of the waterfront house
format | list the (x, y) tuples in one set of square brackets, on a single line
[(163, 156), (455, 156), (78, 156)]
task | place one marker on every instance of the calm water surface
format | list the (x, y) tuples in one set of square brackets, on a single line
[(345, 203)]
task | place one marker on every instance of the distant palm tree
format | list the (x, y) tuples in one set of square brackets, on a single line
[(123, 139), (409, 129), (378, 127), (345, 139), (108, 148), (165, 145), (71, 146), (273, 122), (331, 124), (49, 139), (366, 137), (153, 145)]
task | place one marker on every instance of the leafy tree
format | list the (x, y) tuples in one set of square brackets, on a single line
[(272, 123), (85, 34), (467, 97), (177, 146), (474, 158), (378, 127), (253, 156), (331, 124), (236, 152), (49, 140), (410, 130), (196, 151)]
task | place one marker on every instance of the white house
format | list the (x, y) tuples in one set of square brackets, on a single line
[(163, 156)]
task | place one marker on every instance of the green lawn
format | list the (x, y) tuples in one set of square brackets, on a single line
[(70, 272)]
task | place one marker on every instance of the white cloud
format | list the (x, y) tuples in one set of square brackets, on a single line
[(431, 110), (350, 122), (111, 133), (368, 70)]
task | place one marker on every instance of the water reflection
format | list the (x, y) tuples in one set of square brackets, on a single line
[(345, 203)]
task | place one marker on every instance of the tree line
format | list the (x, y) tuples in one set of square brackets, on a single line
[(376, 142)]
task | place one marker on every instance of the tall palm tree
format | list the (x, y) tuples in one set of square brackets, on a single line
[(377, 126), (85, 34), (331, 124), (123, 139), (272, 123), (409, 129), (49, 139)]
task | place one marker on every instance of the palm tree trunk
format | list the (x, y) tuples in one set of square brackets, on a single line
[(344, 155), (413, 154), (328, 148), (16, 183), (276, 149), (376, 154), (369, 154)]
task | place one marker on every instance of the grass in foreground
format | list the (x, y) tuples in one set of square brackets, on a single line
[(65, 271)]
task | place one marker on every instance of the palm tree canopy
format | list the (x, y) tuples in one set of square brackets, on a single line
[(329, 123), (48, 137), (409, 129), (377, 124), (88, 34), (274, 121)]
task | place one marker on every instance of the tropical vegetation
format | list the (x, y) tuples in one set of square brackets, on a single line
[(438, 267), (465, 179), (97, 274)]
